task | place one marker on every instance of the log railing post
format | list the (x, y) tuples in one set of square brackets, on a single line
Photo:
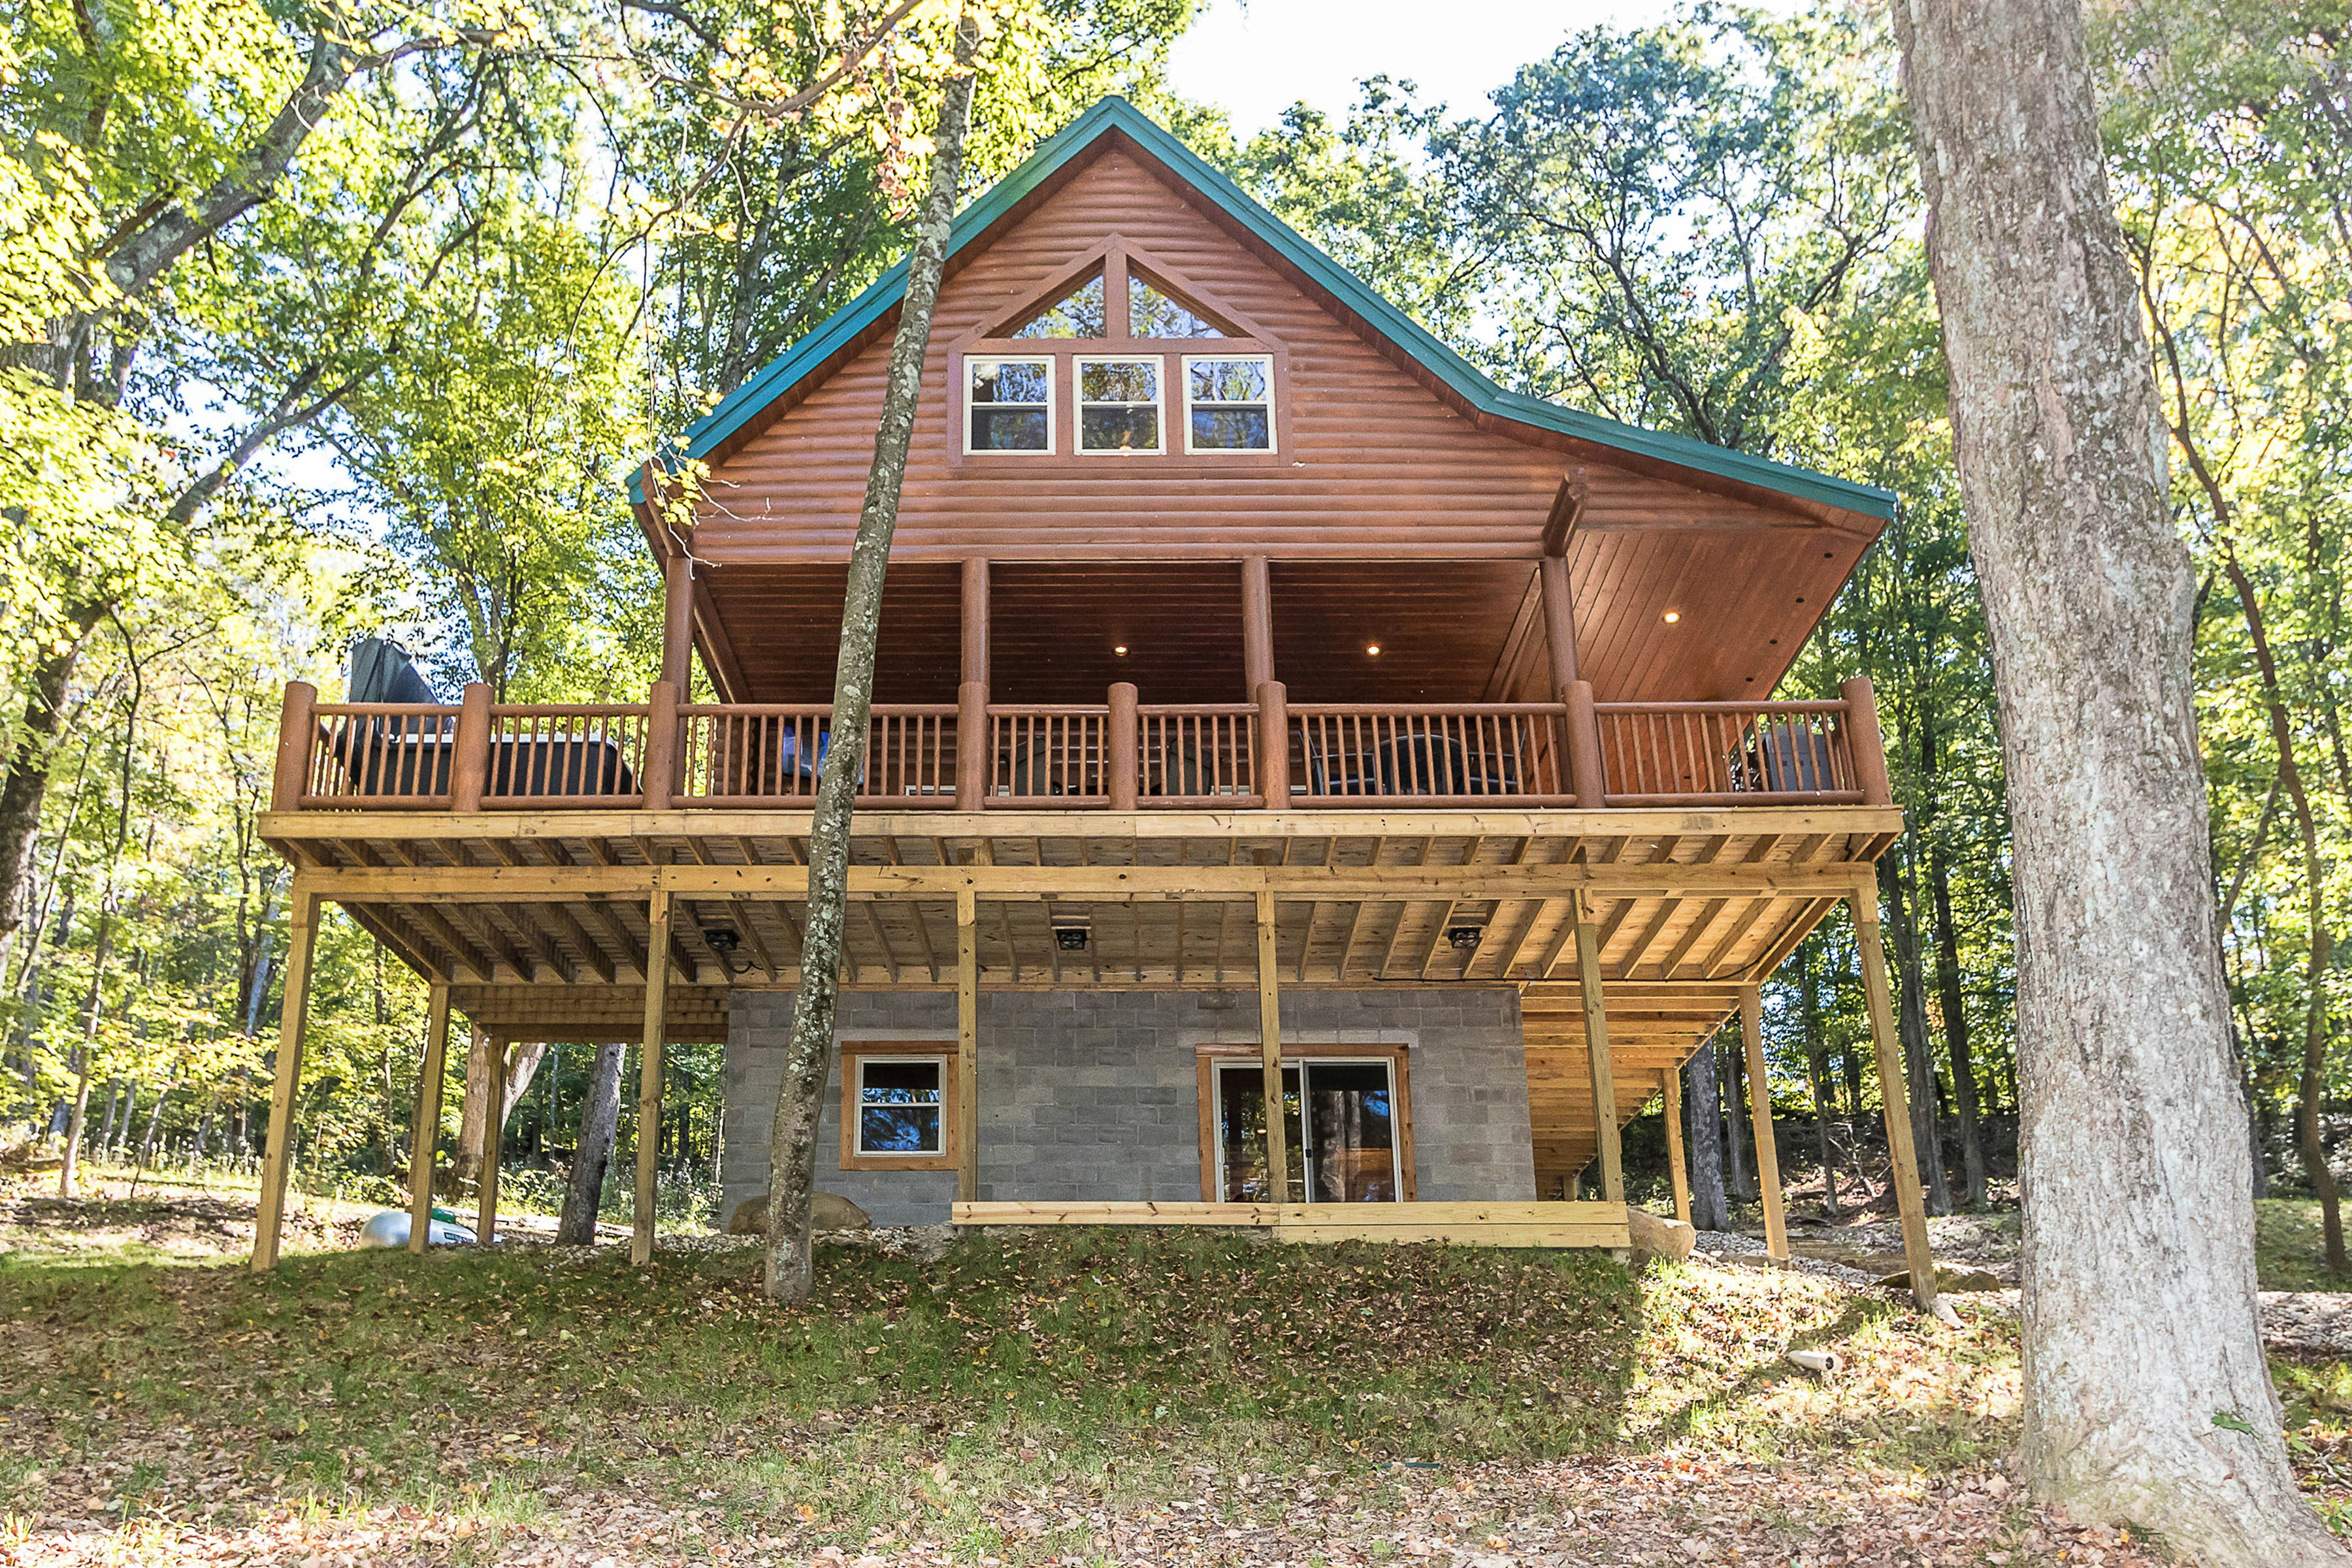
[(298, 732), (660, 776), (469, 771), (973, 746), (1866, 741), (1125, 740), (1274, 745), (1583, 723)]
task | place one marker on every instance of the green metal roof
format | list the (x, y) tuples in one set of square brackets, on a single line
[(1473, 384)]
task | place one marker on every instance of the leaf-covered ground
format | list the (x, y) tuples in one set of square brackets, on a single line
[(1027, 1398)]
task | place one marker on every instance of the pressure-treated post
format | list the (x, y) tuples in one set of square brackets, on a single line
[(650, 1071), (967, 1046), (494, 1139), (469, 773), (1677, 1166), (1269, 1037), (1583, 726), (1759, 1117), (1894, 1103), (1274, 745), (298, 726), (293, 1025), (1596, 1049), (426, 1136), (660, 778), (1868, 743)]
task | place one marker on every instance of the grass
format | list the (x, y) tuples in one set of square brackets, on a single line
[(1047, 1377), (2290, 1252)]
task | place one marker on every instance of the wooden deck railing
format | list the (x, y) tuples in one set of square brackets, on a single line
[(770, 754), (1467, 753), (1121, 754)]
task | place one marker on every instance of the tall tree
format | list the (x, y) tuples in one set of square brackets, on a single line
[(810, 1053), (600, 1118), (1701, 1093), (2146, 1396)]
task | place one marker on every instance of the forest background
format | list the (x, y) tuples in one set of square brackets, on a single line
[(319, 319)]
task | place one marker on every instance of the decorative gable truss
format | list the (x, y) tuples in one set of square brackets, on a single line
[(1119, 356)]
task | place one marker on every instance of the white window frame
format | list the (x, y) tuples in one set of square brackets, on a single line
[(1078, 363), (857, 1134), (1249, 1064), (1273, 437), (1053, 420)]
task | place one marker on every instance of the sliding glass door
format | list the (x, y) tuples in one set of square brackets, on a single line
[(1338, 1124)]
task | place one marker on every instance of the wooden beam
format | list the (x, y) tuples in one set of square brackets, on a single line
[(1559, 625), (426, 1135), (1416, 883), (1567, 511), (967, 1048), (1269, 1037), (1258, 629), (1892, 1101), (293, 1025), (494, 1133), (1760, 1119), (1670, 1084), (1596, 1048), (677, 621), (649, 1077)]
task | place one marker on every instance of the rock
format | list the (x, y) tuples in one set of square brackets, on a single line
[(828, 1211), (1655, 1238), (1948, 1282)]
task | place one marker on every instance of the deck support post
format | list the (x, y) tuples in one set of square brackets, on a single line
[(677, 621), (1560, 624), (1257, 623), (494, 1138), (298, 727), (650, 1071), (1606, 1138), (293, 1026), (1124, 742), (469, 762), (1894, 1102), (1670, 1086), (1759, 1117), (426, 1136), (1274, 744), (1583, 723), (1866, 741), (659, 779), (967, 1083), (1269, 1036), (974, 745)]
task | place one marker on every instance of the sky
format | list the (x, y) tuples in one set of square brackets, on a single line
[(1259, 59)]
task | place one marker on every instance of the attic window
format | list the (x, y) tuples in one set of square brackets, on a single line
[(1152, 314), (1077, 314)]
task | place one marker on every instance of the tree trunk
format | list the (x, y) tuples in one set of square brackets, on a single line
[(100, 952), (1704, 1101), (600, 1116), (1817, 1065), (28, 781), (474, 1110), (2146, 1397), (1951, 1000), (1918, 1058), (1738, 1144), (808, 1057)]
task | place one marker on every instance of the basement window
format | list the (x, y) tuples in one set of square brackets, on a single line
[(1009, 405), (901, 1106), (1228, 404)]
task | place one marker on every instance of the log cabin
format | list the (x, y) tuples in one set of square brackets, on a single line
[(1308, 786)]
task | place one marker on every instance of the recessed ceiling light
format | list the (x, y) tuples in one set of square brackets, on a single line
[(1121, 651), (1672, 616), (1372, 648)]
